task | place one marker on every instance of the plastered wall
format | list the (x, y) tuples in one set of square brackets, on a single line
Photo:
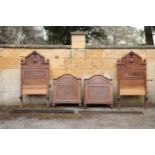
[(81, 63)]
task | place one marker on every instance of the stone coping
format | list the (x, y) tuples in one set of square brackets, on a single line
[(78, 33), (120, 47), (35, 46), (69, 47)]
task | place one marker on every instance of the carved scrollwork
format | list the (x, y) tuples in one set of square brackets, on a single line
[(34, 59), (131, 58)]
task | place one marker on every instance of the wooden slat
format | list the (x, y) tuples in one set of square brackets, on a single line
[(34, 91)]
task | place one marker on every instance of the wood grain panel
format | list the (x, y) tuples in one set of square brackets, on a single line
[(34, 75), (131, 75), (67, 89), (98, 90)]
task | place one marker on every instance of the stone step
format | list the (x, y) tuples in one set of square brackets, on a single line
[(41, 111)]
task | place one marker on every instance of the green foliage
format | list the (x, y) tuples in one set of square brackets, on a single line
[(21, 35), (62, 34), (148, 30), (122, 35), (153, 27)]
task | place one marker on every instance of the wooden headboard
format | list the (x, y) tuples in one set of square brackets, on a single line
[(131, 74), (67, 89), (34, 74)]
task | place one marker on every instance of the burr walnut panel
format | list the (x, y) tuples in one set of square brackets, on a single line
[(67, 89), (98, 90)]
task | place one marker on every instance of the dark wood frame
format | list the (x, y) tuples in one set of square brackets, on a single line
[(34, 76), (60, 92), (131, 73), (96, 83)]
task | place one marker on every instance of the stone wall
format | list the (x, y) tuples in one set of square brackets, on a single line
[(81, 63)]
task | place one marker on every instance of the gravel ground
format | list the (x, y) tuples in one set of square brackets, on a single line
[(80, 121)]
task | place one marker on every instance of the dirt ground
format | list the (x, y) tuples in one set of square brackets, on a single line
[(98, 120)]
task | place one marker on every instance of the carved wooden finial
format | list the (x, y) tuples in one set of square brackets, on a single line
[(132, 53), (131, 59), (144, 60), (21, 61), (118, 60), (34, 56)]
